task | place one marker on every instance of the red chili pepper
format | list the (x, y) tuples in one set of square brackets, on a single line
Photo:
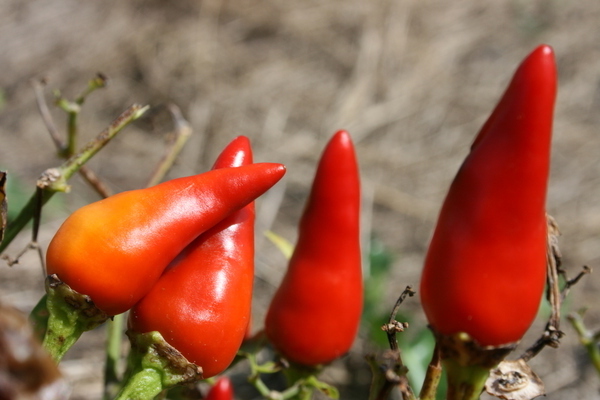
[(222, 390), (315, 313), (201, 304), (115, 250), (485, 268)]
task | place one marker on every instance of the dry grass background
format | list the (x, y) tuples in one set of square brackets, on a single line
[(411, 80)]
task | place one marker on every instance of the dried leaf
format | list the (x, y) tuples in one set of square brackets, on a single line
[(514, 380), (26, 370)]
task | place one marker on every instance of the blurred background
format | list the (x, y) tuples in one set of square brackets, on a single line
[(412, 81)]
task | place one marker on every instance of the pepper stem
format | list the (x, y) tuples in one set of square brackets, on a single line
[(296, 376), (464, 382), (153, 365), (69, 315), (305, 379), (467, 363), (432, 377), (143, 384)]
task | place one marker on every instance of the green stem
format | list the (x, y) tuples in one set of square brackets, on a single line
[(587, 339), (464, 382), (73, 111), (23, 218), (153, 366), (113, 355), (71, 133), (144, 384), (254, 377), (295, 377), (58, 177), (291, 392), (432, 377), (74, 163), (98, 82)]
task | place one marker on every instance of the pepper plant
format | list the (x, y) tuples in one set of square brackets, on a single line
[(179, 257)]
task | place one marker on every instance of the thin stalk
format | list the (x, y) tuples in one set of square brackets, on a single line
[(393, 326), (295, 377), (73, 113), (254, 377), (464, 382), (587, 339), (144, 384), (113, 355), (383, 383), (84, 155), (23, 218), (432, 377), (72, 133), (46, 115)]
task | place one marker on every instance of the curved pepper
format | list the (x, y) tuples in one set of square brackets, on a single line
[(222, 390), (485, 268), (314, 315), (115, 250), (201, 304)]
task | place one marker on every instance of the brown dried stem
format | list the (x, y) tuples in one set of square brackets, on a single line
[(393, 326), (391, 372), (555, 296)]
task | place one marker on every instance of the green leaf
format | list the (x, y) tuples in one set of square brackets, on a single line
[(326, 389)]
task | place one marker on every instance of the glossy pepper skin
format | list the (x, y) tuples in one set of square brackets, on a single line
[(115, 250), (485, 268), (201, 304), (222, 390), (314, 315)]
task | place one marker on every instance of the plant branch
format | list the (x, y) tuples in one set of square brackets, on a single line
[(552, 333), (432, 376), (45, 113), (393, 326), (55, 179), (588, 339), (67, 150), (390, 371), (113, 355)]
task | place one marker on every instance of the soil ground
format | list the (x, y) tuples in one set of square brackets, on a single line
[(412, 81)]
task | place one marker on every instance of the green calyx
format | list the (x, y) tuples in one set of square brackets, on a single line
[(465, 382), (468, 364), (68, 314), (154, 365)]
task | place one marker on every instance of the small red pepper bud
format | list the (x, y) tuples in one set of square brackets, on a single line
[(201, 304), (114, 250), (314, 315), (222, 390), (485, 269)]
